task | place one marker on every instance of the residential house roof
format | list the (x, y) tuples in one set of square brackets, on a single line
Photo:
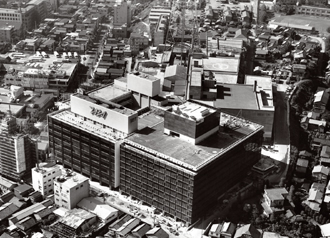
[(95, 206), (141, 230), (6, 210), (322, 97), (25, 212), (302, 162), (327, 194), (305, 153), (7, 196), (76, 217), (325, 152), (23, 188), (321, 169), (157, 232), (26, 223), (247, 230), (276, 193)]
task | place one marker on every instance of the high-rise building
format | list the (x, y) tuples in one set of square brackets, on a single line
[(179, 160), (185, 163), (43, 178), (17, 151), (256, 8), (86, 137), (69, 189), (122, 14)]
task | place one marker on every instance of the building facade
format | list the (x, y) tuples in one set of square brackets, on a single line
[(176, 185), (87, 138), (170, 164), (43, 178), (122, 14), (160, 30), (69, 189), (313, 11), (7, 33), (17, 151)]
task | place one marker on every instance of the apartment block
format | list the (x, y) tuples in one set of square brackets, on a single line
[(43, 178), (69, 189)]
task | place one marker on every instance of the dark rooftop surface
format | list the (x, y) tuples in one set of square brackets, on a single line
[(194, 156), (236, 96)]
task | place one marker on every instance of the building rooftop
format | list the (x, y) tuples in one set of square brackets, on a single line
[(108, 92), (71, 180), (106, 104), (79, 122), (193, 157), (228, 64), (76, 217), (230, 96), (97, 207), (46, 168), (276, 193), (26, 212), (192, 111)]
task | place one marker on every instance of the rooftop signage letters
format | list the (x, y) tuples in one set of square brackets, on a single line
[(98, 113)]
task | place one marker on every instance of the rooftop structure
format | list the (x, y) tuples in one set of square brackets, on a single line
[(226, 65)]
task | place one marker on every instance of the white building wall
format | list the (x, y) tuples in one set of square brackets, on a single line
[(43, 179)]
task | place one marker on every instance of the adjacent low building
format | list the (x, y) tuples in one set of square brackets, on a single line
[(43, 178), (69, 189)]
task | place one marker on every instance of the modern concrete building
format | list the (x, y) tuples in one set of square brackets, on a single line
[(174, 163), (69, 189), (122, 14), (210, 87), (157, 12), (10, 17), (169, 159), (87, 137), (313, 11), (138, 42), (161, 30), (17, 151), (43, 178), (7, 33)]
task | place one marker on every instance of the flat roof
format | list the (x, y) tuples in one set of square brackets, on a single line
[(108, 92), (276, 193), (78, 121), (187, 155), (228, 64), (225, 78), (236, 96), (72, 181), (14, 108), (264, 81), (109, 105)]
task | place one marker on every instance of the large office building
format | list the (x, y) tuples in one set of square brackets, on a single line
[(183, 164), (168, 158)]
